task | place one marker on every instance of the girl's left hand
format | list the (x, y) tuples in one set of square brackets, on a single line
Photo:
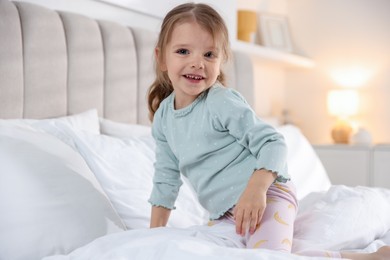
[(250, 207), (249, 211)]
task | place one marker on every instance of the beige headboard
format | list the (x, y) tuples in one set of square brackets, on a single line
[(56, 63)]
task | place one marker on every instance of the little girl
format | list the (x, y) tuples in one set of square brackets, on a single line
[(235, 162)]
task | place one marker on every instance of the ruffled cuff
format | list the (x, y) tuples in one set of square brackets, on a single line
[(273, 157), (163, 195), (275, 166)]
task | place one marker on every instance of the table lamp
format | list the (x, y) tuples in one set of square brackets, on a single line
[(342, 103)]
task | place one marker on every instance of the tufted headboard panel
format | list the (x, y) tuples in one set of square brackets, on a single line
[(55, 63)]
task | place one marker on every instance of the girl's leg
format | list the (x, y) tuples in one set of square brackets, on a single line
[(275, 231), (383, 253), (276, 228)]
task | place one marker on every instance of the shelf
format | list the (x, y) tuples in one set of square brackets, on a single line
[(272, 55), (342, 146)]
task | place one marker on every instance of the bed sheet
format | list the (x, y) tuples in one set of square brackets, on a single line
[(338, 218), (328, 232), (171, 243), (168, 243), (341, 218)]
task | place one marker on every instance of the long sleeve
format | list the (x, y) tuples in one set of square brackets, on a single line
[(231, 113), (166, 181)]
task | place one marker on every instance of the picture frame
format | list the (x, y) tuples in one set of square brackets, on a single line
[(273, 32)]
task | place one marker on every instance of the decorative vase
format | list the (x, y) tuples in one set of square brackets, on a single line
[(246, 25), (341, 132), (361, 137)]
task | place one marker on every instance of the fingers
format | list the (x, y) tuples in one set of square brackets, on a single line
[(247, 220), (254, 222), (239, 217)]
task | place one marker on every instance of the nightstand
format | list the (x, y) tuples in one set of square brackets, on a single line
[(346, 164), (381, 165), (354, 165)]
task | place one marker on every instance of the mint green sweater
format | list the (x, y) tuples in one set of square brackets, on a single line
[(217, 142)]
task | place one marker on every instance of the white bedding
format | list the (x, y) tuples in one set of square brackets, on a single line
[(120, 162), (324, 223)]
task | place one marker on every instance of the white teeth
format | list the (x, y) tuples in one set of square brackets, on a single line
[(194, 77)]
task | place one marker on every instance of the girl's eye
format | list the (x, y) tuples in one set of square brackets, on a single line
[(182, 51), (210, 54)]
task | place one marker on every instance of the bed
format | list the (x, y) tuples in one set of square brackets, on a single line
[(76, 154)]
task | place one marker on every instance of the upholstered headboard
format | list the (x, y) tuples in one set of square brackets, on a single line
[(56, 63)]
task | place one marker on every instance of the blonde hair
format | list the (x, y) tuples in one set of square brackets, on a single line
[(208, 19)]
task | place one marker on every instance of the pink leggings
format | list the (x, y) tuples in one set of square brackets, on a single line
[(276, 228)]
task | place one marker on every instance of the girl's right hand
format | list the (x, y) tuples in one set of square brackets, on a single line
[(159, 217)]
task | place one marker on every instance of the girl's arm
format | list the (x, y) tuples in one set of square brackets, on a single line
[(160, 216), (251, 205), (166, 179)]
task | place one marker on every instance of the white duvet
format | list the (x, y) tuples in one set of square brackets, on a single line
[(342, 218), (69, 192)]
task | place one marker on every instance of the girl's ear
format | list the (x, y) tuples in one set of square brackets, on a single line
[(159, 58)]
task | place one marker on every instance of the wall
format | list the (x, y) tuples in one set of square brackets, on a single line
[(269, 78), (335, 34), (349, 36)]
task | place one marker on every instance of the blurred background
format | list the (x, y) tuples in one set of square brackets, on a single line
[(302, 51)]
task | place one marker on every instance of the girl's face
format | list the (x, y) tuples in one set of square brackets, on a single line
[(192, 61)]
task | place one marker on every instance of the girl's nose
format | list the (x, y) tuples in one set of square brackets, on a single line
[(197, 63)]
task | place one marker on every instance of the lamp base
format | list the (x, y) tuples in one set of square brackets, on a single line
[(341, 132)]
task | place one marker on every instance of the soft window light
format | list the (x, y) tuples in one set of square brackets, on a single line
[(342, 103)]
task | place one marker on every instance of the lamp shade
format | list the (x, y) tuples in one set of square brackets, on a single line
[(343, 102)]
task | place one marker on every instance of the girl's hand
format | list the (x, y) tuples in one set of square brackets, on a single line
[(250, 207), (249, 211), (159, 217)]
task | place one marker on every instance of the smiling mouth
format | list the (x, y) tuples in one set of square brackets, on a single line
[(193, 77)]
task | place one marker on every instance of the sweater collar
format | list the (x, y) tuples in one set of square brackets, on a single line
[(185, 110)]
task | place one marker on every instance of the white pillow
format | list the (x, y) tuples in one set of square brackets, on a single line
[(86, 121), (123, 130), (50, 202), (342, 218), (124, 168), (306, 170)]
